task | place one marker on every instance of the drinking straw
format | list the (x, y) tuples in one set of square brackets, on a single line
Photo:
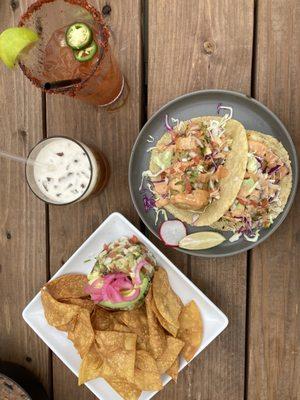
[(61, 84), (23, 160)]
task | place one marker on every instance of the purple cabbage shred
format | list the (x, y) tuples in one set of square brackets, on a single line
[(274, 169), (149, 202), (167, 123), (218, 108)]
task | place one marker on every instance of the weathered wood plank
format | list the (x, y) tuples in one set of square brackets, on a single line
[(274, 319), (198, 45), (22, 216), (113, 133)]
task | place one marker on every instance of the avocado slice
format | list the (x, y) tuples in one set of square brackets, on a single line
[(207, 151), (129, 305), (249, 186), (240, 207), (252, 165)]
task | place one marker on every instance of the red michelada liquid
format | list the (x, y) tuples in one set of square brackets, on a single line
[(102, 87)]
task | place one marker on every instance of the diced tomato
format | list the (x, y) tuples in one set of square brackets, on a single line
[(264, 203), (173, 136), (134, 240), (185, 165), (188, 187), (105, 247), (242, 201), (196, 160)]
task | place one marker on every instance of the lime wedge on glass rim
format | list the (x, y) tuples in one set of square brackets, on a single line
[(13, 41), (201, 240)]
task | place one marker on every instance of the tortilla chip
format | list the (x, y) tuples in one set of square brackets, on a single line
[(146, 375), (83, 334), (136, 321), (118, 349), (90, 365), (69, 327), (174, 370), (165, 324), (142, 343), (157, 336), (167, 359), (167, 302), (101, 319), (83, 303), (68, 286), (56, 313), (191, 329), (124, 388), (118, 327)]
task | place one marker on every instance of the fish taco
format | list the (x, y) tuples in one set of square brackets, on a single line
[(197, 168), (264, 191)]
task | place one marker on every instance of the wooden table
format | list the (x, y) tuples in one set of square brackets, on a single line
[(243, 45)]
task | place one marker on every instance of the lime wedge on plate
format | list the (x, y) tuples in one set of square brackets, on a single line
[(201, 240), (13, 41)]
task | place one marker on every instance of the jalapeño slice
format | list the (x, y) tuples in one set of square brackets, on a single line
[(79, 36), (86, 54)]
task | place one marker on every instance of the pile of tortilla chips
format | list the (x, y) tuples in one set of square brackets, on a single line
[(129, 349)]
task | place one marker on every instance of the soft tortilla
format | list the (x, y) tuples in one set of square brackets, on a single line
[(285, 184), (235, 163)]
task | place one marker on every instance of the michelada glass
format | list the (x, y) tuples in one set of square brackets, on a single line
[(60, 170), (50, 64)]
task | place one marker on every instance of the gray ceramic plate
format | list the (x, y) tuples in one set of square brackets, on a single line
[(252, 114)]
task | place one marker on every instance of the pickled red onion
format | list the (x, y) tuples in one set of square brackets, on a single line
[(133, 296), (137, 276), (122, 284), (113, 295), (91, 288), (111, 287)]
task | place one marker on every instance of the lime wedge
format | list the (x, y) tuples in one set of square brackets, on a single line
[(13, 41), (201, 240)]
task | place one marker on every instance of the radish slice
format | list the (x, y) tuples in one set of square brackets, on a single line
[(171, 232)]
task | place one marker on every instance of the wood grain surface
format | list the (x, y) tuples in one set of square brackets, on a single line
[(251, 46), (274, 318), (112, 132), (192, 46), (22, 217)]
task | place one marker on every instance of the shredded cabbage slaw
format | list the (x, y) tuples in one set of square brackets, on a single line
[(191, 164)]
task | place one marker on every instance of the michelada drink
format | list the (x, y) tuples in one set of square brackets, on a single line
[(71, 54)]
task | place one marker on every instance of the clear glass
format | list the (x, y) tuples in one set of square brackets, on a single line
[(99, 81), (60, 170)]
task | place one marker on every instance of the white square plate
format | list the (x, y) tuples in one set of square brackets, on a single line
[(115, 226)]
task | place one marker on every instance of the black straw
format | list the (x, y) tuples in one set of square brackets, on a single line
[(61, 84)]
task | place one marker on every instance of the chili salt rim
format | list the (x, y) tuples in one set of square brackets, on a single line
[(103, 44)]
